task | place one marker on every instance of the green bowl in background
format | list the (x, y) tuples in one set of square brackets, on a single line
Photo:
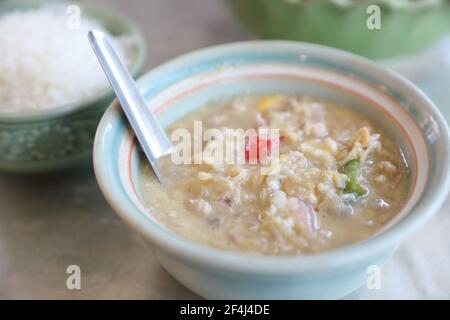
[(406, 26), (46, 140)]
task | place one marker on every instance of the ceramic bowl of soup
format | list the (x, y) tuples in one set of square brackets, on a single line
[(332, 162)]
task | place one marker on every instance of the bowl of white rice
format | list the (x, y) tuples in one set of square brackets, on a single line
[(52, 89)]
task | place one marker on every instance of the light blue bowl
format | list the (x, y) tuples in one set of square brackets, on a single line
[(57, 138), (188, 82)]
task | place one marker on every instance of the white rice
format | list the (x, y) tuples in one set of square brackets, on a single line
[(46, 64)]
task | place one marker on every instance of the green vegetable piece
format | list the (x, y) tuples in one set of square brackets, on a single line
[(351, 169)]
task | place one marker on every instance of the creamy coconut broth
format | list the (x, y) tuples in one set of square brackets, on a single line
[(340, 178)]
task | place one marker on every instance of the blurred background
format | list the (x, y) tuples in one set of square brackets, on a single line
[(50, 221), (174, 27)]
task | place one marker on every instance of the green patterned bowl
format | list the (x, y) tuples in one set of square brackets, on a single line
[(406, 26), (53, 139)]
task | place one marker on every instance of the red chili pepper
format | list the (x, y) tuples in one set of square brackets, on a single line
[(257, 147)]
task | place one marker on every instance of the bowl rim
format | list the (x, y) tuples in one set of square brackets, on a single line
[(102, 14), (196, 253)]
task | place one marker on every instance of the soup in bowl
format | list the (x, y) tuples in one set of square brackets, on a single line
[(295, 168)]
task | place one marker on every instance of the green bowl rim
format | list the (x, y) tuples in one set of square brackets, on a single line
[(386, 4), (200, 255)]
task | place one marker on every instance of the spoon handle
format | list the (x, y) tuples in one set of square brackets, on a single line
[(149, 133)]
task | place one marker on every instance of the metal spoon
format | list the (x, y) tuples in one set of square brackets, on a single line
[(151, 136)]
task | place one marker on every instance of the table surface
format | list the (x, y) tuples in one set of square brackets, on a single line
[(48, 222)]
